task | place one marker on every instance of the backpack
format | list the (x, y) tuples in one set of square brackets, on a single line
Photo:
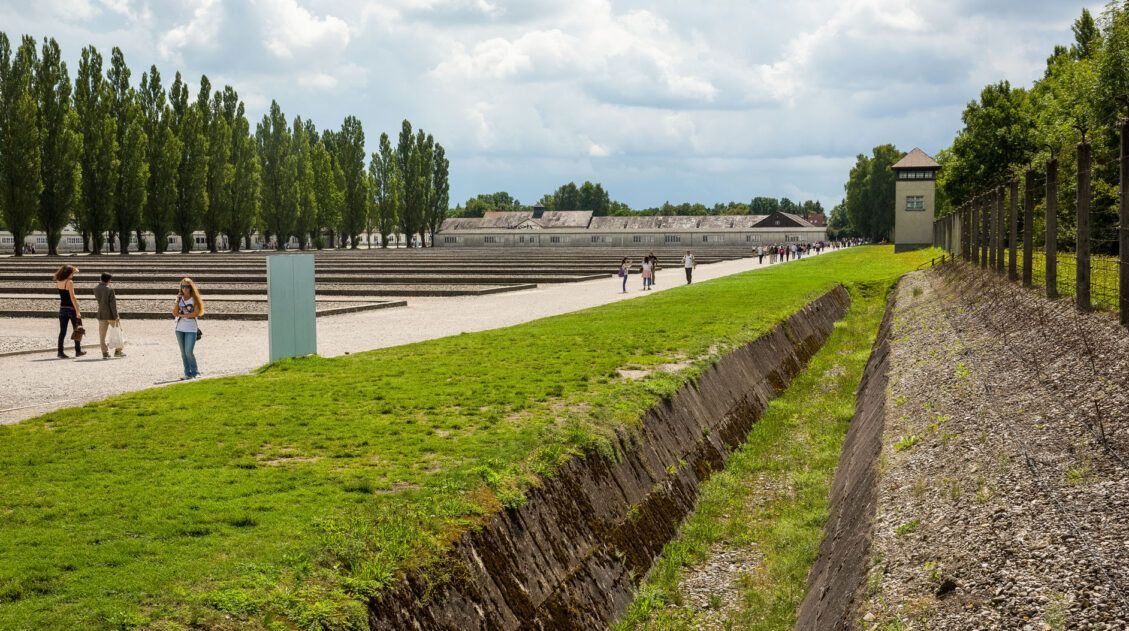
[(620, 272)]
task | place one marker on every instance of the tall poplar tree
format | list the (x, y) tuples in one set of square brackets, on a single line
[(100, 165), (330, 198), (305, 197), (219, 173), (134, 180), (273, 138), (244, 197), (350, 143), (60, 143), (192, 178), (20, 179), (440, 193), (422, 160), (410, 221), (155, 116), (385, 189)]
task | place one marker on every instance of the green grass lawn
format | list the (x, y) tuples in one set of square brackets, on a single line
[(773, 498), (285, 499)]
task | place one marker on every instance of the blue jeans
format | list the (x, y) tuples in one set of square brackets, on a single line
[(187, 342), (625, 283)]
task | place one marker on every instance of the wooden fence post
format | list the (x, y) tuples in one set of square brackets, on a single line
[(1082, 267), (1051, 246), (1123, 246), (999, 242), (1013, 227), (985, 225), (1028, 225)]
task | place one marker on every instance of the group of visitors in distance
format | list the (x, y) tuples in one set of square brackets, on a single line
[(776, 253), (187, 308)]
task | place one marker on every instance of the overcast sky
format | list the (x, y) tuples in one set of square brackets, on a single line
[(706, 101)]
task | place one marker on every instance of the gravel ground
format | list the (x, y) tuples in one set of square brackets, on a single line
[(21, 344), (238, 347), (150, 307), (1003, 495), (84, 289)]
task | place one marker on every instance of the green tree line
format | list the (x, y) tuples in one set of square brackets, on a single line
[(594, 197), (121, 160), (1082, 96)]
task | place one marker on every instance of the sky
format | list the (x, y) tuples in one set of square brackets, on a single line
[(666, 100)]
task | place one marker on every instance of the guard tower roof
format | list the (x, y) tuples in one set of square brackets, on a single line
[(917, 160)]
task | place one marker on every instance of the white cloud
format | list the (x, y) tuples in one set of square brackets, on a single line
[(290, 30), (198, 33)]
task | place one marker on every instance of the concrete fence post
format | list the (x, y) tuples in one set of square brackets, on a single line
[(1082, 267), (1051, 245), (1028, 224), (1013, 227), (1123, 232)]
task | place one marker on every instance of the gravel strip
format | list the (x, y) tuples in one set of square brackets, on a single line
[(1004, 490), (15, 344), (238, 347), (155, 308)]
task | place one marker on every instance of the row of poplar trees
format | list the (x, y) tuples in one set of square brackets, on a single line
[(115, 160)]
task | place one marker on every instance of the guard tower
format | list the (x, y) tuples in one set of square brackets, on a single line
[(914, 201)]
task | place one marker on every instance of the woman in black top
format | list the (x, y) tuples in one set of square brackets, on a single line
[(69, 311)]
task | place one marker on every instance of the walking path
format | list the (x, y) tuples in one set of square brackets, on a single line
[(37, 384)]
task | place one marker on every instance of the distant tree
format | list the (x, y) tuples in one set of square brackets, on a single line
[(788, 206), (1087, 36), (156, 113), (441, 194), (593, 197), (100, 165), (305, 194), (133, 183), (61, 145), (273, 139), (764, 206), (220, 171), (20, 159), (407, 164), (567, 197), (385, 179), (483, 203), (350, 151), (165, 162), (246, 186), (423, 158), (330, 198), (870, 193)]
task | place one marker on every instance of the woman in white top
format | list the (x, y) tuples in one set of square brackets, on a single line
[(648, 272), (189, 306)]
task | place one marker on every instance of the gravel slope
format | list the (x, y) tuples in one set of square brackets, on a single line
[(1004, 492)]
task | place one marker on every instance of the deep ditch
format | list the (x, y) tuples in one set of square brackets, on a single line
[(572, 555)]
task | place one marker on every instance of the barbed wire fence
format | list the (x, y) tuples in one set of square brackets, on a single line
[(995, 229)]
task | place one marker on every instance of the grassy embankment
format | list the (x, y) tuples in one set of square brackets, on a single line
[(771, 502), (286, 498)]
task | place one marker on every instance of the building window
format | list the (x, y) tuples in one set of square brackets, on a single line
[(201, 240), (636, 239), (916, 175), (74, 240), (915, 202), (595, 239), (8, 240), (488, 239), (554, 239), (41, 240), (450, 239), (672, 238), (705, 238)]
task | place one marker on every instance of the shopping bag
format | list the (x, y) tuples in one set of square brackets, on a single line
[(115, 338)]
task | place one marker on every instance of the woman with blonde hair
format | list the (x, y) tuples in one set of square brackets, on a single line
[(188, 308)]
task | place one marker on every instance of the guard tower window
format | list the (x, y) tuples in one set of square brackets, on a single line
[(915, 202)]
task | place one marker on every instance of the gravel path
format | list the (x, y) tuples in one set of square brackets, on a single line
[(1004, 485), (32, 381)]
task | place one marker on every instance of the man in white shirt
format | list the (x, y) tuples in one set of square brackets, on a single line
[(688, 263)]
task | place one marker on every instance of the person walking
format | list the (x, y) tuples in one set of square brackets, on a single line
[(688, 263), (69, 311), (654, 268), (648, 273), (624, 269), (760, 255), (107, 314), (187, 310)]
